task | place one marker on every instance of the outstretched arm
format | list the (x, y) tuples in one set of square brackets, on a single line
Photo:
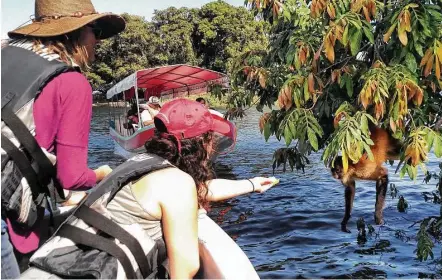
[(222, 189), (146, 123)]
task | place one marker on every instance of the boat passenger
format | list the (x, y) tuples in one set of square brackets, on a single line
[(185, 137), (156, 196), (202, 101), (132, 121), (41, 76), (151, 109), (207, 105)]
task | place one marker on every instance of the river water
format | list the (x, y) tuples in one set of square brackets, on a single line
[(293, 230)]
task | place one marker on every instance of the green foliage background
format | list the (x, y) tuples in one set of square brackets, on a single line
[(209, 37)]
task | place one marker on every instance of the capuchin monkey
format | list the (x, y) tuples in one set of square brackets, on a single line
[(385, 148)]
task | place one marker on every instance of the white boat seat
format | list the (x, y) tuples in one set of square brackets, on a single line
[(36, 273)]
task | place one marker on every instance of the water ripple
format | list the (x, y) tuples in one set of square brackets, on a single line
[(293, 230)]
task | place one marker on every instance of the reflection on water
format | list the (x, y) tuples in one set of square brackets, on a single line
[(292, 231)]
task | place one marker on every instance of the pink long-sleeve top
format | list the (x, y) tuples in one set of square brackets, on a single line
[(62, 115)]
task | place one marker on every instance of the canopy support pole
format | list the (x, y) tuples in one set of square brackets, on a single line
[(140, 124)]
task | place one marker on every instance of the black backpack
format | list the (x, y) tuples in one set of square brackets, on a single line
[(29, 184)]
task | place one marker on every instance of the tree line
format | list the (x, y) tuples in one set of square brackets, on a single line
[(210, 37)]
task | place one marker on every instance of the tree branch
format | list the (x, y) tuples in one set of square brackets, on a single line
[(344, 60)]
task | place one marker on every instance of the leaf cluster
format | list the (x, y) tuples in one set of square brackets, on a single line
[(380, 59)]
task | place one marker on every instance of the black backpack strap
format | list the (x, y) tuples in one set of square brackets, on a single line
[(163, 271), (47, 171), (23, 165), (111, 228), (86, 238)]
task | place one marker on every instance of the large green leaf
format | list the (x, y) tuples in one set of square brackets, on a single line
[(410, 61), (438, 145), (312, 138), (267, 131), (419, 49), (369, 34), (355, 42), (287, 135), (345, 36)]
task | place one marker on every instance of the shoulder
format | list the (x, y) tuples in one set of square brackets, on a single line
[(71, 78), (171, 178), (75, 88), (171, 183), (70, 82), (68, 85)]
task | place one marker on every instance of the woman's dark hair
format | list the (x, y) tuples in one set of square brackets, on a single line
[(199, 99), (193, 158), (67, 46)]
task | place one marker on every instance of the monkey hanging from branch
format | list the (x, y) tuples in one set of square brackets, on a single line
[(385, 148)]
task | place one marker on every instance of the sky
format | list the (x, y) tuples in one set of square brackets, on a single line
[(16, 12)]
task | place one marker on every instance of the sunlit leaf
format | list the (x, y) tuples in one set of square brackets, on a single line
[(312, 139), (411, 62), (438, 146), (267, 131), (287, 135), (344, 161), (355, 42), (369, 34), (389, 32)]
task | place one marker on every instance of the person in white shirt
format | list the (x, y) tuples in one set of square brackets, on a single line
[(151, 109)]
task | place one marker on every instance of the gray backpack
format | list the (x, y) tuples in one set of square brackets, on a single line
[(90, 245)]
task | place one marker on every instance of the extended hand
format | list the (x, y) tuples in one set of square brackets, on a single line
[(102, 172), (75, 198), (262, 184)]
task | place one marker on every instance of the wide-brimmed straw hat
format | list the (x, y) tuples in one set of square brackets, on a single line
[(58, 17)]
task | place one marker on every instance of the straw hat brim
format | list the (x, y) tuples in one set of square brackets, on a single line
[(110, 24)]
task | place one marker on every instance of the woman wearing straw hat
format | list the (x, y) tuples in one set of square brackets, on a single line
[(42, 86)]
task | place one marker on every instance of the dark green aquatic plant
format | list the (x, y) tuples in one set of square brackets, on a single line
[(402, 204), (430, 228), (393, 190), (362, 233)]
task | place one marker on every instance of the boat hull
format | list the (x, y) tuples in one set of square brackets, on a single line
[(135, 142)]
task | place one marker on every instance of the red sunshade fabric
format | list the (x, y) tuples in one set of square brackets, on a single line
[(165, 78), (168, 79)]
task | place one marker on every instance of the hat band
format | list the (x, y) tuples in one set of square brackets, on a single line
[(58, 16)]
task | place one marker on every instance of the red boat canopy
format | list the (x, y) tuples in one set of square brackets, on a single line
[(168, 79)]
